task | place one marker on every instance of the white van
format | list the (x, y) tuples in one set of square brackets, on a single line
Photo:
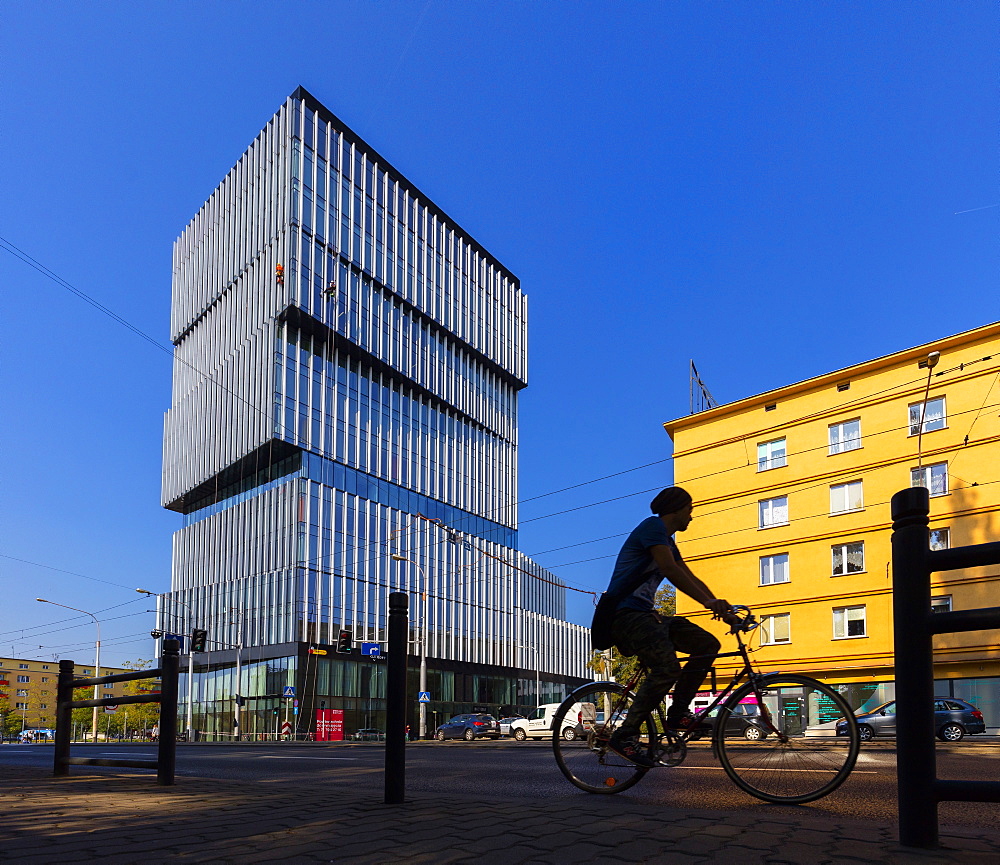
[(538, 724)]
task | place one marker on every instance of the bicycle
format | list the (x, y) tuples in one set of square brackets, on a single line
[(777, 762)]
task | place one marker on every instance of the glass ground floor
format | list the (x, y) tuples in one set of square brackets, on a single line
[(286, 691)]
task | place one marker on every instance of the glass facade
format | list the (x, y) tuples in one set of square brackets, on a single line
[(348, 362)]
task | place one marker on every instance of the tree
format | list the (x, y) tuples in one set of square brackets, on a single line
[(624, 667)]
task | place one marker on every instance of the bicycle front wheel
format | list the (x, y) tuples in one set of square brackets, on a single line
[(581, 728), (776, 739)]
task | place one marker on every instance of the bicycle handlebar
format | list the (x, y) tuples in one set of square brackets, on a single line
[(748, 623)]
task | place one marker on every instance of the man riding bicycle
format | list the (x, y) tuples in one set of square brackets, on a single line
[(648, 557)]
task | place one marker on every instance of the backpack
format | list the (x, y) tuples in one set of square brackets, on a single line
[(607, 609)]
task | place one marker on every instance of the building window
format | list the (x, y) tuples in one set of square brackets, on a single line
[(22, 666), (771, 455), (45, 678), (774, 569), (846, 497), (24, 678), (934, 477), (773, 512), (940, 539), (845, 436), (941, 604), (45, 666), (934, 416), (848, 558), (43, 705), (108, 687), (775, 629), (849, 622), (20, 705), (21, 692)]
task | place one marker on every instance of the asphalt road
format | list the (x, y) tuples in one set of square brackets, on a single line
[(507, 770)]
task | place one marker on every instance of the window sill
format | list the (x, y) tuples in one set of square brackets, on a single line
[(856, 637), (771, 526), (778, 583), (848, 574), (927, 432), (771, 468), (783, 643), (841, 513), (844, 451)]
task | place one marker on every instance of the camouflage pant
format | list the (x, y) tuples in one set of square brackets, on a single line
[(656, 644)]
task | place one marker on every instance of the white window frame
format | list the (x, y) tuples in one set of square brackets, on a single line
[(943, 601), (845, 553), (943, 540), (932, 421), (766, 509), (841, 444), (24, 679), (846, 620), (923, 476), (847, 488), (767, 629), (765, 458), (774, 558), (21, 692), (21, 706)]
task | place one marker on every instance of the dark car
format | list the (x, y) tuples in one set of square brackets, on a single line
[(743, 721), (953, 718), (369, 735), (469, 727)]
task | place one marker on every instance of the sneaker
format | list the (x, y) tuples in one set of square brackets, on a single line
[(630, 748), (688, 723)]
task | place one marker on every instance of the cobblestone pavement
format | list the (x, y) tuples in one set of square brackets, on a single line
[(129, 819)]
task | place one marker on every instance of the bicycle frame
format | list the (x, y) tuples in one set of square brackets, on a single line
[(746, 673)]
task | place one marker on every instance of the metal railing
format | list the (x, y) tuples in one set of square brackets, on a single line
[(913, 562), (166, 760)]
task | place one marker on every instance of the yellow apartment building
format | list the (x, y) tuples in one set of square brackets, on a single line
[(28, 689), (792, 490)]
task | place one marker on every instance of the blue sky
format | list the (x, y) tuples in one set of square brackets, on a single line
[(772, 189)]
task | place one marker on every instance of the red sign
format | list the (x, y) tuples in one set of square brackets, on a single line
[(329, 725)]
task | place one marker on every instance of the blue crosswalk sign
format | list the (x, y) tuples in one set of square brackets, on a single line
[(423, 696), (289, 691)]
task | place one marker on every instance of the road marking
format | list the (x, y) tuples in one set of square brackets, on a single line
[(284, 757)]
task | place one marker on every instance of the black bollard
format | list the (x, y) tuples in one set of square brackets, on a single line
[(64, 717), (395, 700), (167, 747)]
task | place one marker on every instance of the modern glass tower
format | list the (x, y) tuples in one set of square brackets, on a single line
[(344, 425)]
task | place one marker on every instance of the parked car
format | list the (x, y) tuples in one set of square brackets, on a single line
[(539, 722), (469, 727), (506, 722), (743, 721), (953, 718), (369, 735)]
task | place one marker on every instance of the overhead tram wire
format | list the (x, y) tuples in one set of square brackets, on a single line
[(45, 271), (7, 246)]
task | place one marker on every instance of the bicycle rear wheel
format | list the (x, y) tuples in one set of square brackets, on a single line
[(776, 739), (594, 712)]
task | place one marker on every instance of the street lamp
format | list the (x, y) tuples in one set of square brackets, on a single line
[(190, 632), (423, 640), (97, 655)]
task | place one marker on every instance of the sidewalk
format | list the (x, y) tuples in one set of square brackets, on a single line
[(129, 819)]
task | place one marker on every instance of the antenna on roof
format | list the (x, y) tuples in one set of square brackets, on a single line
[(701, 398)]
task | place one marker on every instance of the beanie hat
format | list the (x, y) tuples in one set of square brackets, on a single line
[(670, 500)]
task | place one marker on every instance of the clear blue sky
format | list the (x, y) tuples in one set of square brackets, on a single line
[(773, 189)]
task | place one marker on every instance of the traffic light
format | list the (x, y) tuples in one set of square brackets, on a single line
[(199, 637), (345, 641)]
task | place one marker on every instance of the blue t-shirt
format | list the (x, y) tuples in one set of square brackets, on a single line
[(635, 558)]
